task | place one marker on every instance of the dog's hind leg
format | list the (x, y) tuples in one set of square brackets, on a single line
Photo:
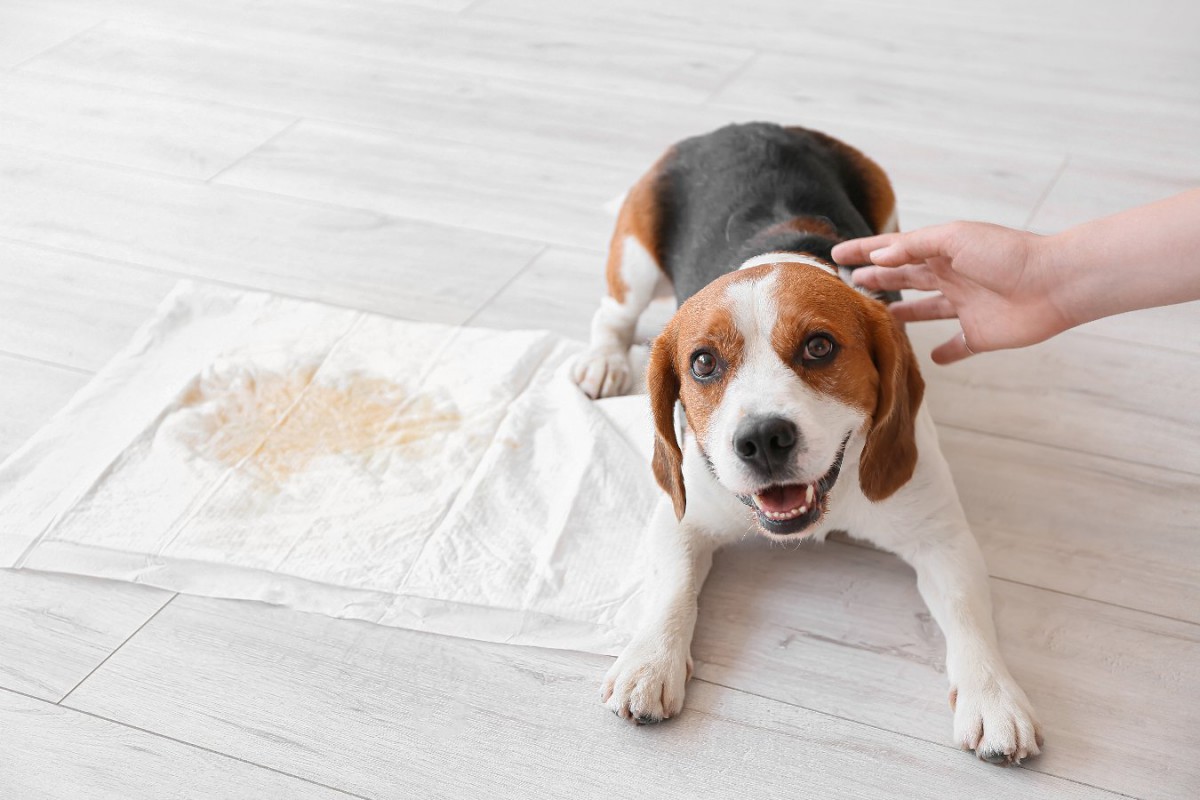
[(634, 277)]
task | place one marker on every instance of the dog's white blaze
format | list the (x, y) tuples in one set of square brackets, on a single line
[(764, 385)]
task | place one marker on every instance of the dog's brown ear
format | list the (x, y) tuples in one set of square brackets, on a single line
[(890, 454), (662, 379)]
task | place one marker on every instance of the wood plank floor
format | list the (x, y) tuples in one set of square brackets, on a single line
[(451, 161)]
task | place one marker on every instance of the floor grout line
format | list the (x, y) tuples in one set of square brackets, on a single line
[(46, 362), (482, 306), (469, 141), (204, 279), (709, 100), (113, 166), (901, 734), (609, 94), (675, 93), (851, 541), (1063, 448), (114, 651), (697, 678), (497, 232), (184, 743), (1109, 603), (18, 67), (1037, 206), (264, 143)]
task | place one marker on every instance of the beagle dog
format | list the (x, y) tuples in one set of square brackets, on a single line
[(802, 405)]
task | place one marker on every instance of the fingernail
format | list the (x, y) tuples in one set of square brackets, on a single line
[(880, 253)]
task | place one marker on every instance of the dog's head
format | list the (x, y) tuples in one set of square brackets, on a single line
[(778, 366)]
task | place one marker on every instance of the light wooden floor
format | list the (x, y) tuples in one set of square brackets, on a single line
[(450, 160)]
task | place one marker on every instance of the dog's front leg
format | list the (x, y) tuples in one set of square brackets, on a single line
[(992, 715), (646, 684)]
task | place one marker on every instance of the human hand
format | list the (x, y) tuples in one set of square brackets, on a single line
[(996, 281)]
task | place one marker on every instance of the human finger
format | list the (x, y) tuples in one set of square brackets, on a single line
[(919, 245), (855, 251), (925, 308), (889, 279)]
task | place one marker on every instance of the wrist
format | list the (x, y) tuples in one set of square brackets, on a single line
[(1065, 291)]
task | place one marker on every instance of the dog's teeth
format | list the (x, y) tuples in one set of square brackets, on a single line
[(809, 494), (781, 516)]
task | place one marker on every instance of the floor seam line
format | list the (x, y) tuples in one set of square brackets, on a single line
[(116, 649), (862, 544), (881, 729), (258, 147), (134, 265), (1062, 448), (737, 72), (20, 65), (1037, 206), (504, 286), (47, 362), (184, 743), (450, 228)]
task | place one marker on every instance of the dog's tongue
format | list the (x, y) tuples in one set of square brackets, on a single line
[(779, 499)]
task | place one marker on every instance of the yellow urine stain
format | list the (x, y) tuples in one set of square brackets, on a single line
[(275, 425)]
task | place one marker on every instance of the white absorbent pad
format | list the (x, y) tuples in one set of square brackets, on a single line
[(444, 479)]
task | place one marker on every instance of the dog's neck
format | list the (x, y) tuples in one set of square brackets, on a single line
[(843, 273), (790, 258)]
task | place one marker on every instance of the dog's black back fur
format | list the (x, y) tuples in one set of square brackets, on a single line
[(722, 193)]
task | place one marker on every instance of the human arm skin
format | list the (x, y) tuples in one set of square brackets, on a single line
[(1011, 288)]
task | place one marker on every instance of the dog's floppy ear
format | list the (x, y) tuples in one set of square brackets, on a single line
[(662, 378), (890, 454)]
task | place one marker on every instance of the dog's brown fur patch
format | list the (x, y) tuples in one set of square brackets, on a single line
[(811, 301), (874, 369), (818, 226), (640, 218), (701, 324)]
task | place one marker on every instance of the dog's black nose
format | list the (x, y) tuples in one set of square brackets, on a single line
[(765, 442)]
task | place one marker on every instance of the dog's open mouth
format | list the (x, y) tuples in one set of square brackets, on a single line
[(790, 508)]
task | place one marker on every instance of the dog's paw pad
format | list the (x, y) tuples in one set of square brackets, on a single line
[(646, 685), (993, 717), (603, 373)]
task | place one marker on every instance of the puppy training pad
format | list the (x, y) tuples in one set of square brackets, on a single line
[(444, 479)]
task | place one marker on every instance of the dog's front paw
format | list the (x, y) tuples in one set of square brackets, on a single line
[(646, 684), (603, 373), (993, 717)]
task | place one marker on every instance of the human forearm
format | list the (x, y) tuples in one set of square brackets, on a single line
[(1146, 256)]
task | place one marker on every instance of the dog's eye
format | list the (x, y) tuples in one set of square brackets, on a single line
[(819, 347), (704, 364)]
